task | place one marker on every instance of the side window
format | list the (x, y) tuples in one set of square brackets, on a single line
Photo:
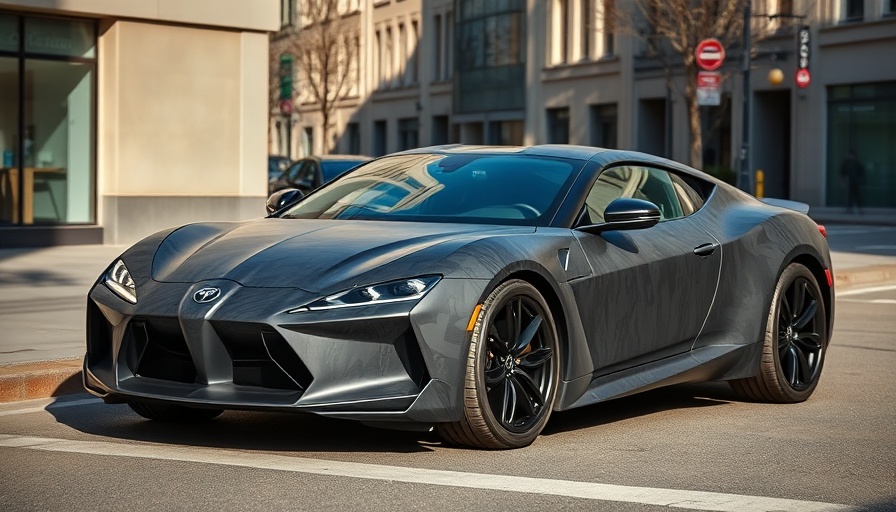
[(293, 173), (306, 174), (689, 194), (654, 185)]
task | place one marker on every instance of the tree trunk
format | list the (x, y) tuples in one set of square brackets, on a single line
[(325, 112), (694, 120)]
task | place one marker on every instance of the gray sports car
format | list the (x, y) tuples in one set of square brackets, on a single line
[(470, 289)]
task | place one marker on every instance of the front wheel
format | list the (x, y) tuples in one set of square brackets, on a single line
[(795, 341), (513, 367)]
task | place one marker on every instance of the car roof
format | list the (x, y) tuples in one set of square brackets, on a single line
[(333, 158)]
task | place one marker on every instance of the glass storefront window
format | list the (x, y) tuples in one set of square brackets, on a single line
[(47, 121), (9, 136), (58, 141), (863, 122), (51, 36), (9, 33)]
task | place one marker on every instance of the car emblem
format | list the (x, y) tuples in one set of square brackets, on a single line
[(206, 295)]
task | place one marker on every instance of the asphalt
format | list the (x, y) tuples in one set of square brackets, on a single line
[(43, 295)]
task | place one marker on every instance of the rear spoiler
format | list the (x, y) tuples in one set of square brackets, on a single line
[(784, 203)]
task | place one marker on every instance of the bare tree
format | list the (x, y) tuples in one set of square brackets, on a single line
[(325, 48), (671, 30)]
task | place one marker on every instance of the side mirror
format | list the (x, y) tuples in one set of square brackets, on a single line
[(281, 198), (626, 213)]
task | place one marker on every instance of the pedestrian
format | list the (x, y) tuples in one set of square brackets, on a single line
[(852, 174)]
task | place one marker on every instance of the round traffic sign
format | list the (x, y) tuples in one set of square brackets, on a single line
[(803, 78), (710, 54)]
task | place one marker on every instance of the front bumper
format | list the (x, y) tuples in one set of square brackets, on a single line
[(396, 363)]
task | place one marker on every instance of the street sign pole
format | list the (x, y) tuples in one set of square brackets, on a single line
[(744, 181)]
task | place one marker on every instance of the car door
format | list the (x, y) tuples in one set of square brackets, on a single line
[(651, 289)]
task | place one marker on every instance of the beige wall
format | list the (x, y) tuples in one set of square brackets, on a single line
[(260, 15), (187, 117)]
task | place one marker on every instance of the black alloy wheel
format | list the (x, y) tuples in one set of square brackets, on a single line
[(795, 343), (512, 371)]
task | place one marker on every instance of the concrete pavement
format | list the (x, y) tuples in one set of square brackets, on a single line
[(43, 299)]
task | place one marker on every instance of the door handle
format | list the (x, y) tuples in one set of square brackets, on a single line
[(706, 249)]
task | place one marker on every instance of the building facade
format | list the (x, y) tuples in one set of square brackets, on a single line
[(119, 118), (561, 71)]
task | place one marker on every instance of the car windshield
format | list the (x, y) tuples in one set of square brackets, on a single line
[(332, 168), (469, 188)]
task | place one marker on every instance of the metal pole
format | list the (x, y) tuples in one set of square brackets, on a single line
[(744, 181)]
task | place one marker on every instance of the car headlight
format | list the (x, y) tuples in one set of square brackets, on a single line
[(119, 280), (393, 291)]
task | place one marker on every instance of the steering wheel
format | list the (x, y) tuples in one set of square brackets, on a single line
[(528, 211)]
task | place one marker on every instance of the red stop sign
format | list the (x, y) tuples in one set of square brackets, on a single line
[(803, 78), (710, 54)]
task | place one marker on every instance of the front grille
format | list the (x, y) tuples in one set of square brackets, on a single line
[(99, 335), (408, 349), (161, 350), (261, 357)]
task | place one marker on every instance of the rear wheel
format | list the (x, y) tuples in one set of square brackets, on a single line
[(795, 341), (172, 413), (513, 367)]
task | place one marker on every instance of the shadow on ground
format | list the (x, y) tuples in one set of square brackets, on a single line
[(302, 432)]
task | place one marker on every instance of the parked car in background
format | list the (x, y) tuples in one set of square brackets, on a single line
[(310, 173), (276, 165)]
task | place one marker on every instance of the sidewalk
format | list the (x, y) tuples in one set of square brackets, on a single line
[(43, 294)]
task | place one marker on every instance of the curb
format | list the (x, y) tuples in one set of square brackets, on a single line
[(865, 276), (43, 379)]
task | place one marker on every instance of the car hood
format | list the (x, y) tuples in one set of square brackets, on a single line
[(313, 255)]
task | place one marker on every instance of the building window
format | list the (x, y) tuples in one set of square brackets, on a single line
[(560, 32), (402, 54), (307, 141), (414, 59), (586, 21), (353, 134), (47, 121), (439, 130), (506, 133), (558, 125), (890, 7), (862, 119), (439, 48), (855, 10), (449, 45), (287, 13), (389, 59), (604, 123), (380, 144), (408, 130), (491, 56), (378, 59), (607, 28)]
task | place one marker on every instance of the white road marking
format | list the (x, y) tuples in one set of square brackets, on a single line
[(691, 500), (873, 301), (870, 289), (876, 248), (55, 405)]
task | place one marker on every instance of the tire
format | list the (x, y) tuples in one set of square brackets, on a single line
[(172, 413), (796, 340), (513, 368)]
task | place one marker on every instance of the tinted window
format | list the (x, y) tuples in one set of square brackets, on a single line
[(688, 193), (331, 169), (652, 185), (502, 189)]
